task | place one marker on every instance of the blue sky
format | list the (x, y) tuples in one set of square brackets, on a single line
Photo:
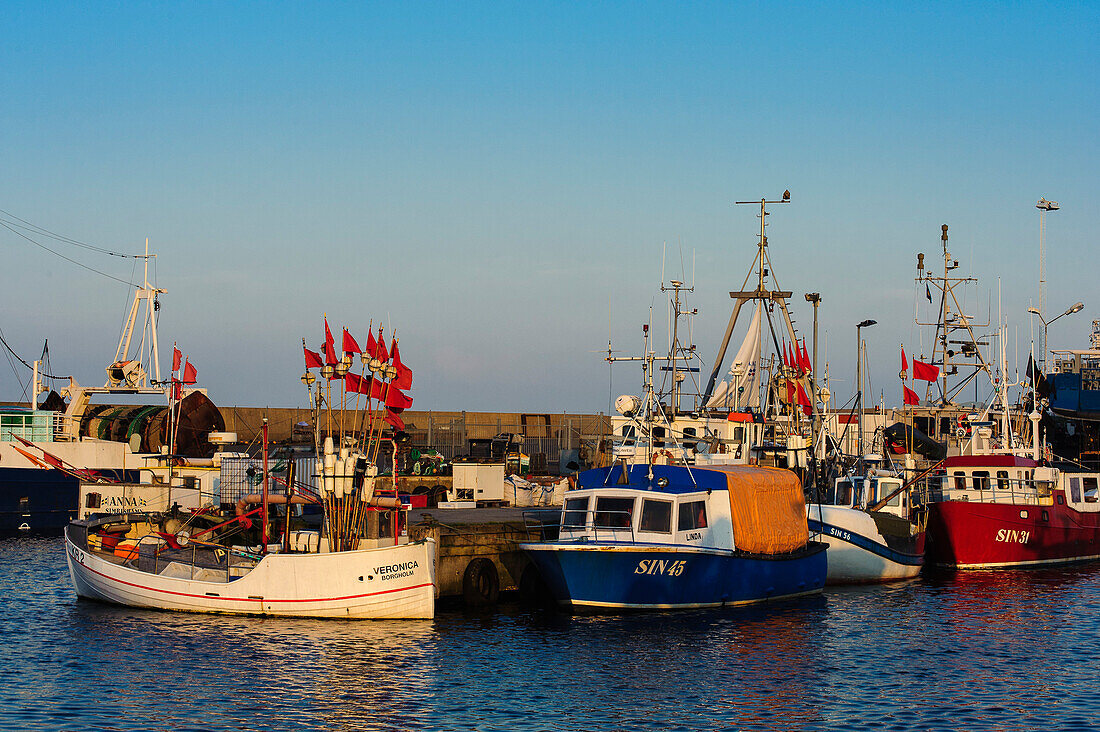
[(492, 179)]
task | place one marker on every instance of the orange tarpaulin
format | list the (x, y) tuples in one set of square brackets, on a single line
[(767, 507)]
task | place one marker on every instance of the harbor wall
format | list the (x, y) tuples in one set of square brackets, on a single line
[(544, 437)]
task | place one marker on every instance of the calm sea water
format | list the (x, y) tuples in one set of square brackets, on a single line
[(986, 651)]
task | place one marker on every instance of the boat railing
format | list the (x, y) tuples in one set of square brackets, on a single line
[(584, 525), (195, 555), (987, 490)]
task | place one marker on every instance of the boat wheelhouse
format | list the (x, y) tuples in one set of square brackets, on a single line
[(1004, 510), (656, 537)]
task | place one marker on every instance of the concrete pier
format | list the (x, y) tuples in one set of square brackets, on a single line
[(477, 552)]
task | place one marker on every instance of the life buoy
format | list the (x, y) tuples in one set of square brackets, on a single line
[(665, 454)]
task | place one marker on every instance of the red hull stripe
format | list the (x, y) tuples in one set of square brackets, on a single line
[(251, 599)]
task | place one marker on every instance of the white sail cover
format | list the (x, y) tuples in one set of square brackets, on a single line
[(744, 372)]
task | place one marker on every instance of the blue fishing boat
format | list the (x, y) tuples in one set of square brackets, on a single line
[(665, 537)]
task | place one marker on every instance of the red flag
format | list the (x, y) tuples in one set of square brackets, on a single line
[(177, 357), (313, 359), (404, 378), (904, 364), (803, 398), (358, 384), (397, 399), (189, 373), (330, 351), (376, 389), (380, 349), (924, 371), (786, 355), (177, 390), (790, 391), (393, 419), (807, 367), (371, 345), (910, 396), (350, 346), (33, 460)]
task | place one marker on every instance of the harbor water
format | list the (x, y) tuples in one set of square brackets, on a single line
[(975, 651)]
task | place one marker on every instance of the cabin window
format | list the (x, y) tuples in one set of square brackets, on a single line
[(656, 516), (981, 480), (628, 435), (689, 438), (1003, 483), (693, 515), (843, 495), (1075, 490), (91, 500), (658, 436), (614, 513), (960, 480), (1090, 490), (24, 503), (889, 487), (872, 493), (945, 425), (1046, 516), (739, 434), (924, 424), (575, 515), (1061, 500)]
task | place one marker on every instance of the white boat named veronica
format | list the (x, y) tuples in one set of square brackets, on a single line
[(385, 582), (357, 565)]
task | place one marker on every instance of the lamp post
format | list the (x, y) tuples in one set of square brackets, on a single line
[(1043, 205), (859, 380), (1075, 308)]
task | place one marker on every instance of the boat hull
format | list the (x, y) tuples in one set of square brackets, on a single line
[(977, 535), (36, 501), (611, 577), (389, 582), (860, 557)]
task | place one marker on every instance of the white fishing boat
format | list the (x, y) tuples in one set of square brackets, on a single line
[(384, 582), (865, 515), (865, 520), (358, 564)]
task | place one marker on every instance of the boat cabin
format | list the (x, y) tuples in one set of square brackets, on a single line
[(993, 479), (861, 492), (661, 515)]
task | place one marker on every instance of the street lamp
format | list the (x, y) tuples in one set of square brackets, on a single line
[(1075, 308), (859, 378)]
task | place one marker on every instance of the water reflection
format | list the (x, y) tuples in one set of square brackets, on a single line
[(990, 650)]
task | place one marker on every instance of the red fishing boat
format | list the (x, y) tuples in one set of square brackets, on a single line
[(1006, 509)]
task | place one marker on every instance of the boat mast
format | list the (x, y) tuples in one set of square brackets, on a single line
[(676, 352), (763, 269), (951, 320), (118, 373)]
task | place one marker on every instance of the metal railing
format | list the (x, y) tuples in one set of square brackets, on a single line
[(589, 530), (985, 490)]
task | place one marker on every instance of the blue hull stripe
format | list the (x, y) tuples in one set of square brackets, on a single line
[(870, 545)]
